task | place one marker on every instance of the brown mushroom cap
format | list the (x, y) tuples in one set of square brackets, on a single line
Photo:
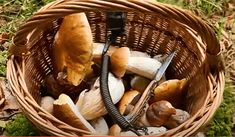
[(127, 99), (159, 113), (72, 49), (114, 130), (119, 61)]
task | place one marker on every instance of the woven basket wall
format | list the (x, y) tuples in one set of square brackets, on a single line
[(150, 27)]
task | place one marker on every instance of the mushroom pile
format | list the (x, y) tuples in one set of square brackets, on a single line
[(72, 91)]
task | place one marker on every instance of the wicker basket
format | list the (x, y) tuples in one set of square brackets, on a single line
[(150, 27)]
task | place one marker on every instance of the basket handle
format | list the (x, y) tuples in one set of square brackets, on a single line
[(62, 8)]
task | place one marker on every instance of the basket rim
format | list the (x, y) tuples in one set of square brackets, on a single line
[(61, 8)]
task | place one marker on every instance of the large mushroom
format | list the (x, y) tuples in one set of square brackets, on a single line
[(72, 49), (121, 61), (159, 113), (170, 90), (65, 110), (91, 104)]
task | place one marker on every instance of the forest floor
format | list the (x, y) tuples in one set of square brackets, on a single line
[(219, 13)]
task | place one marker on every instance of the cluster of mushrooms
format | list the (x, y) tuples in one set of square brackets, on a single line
[(73, 89)]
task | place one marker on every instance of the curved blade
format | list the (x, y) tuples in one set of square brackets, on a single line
[(164, 66)]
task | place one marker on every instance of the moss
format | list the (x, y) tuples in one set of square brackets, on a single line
[(20, 126), (3, 61), (222, 125)]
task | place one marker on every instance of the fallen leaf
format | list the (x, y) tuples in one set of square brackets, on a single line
[(4, 37), (9, 105)]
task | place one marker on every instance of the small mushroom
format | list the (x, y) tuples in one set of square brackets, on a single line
[(159, 113), (91, 104), (121, 61), (100, 126), (115, 130), (47, 103), (129, 99), (66, 110), (98, 50), (139, 83), (170, 90), (177, 119)]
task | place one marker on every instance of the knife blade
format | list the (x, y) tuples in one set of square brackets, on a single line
[(138, 110)]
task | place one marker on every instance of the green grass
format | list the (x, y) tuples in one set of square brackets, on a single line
[(15, 12), (3, 61), (205, 7), (222, 125)]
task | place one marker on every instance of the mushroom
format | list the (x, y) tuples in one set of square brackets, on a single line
[(160, 57), (47, 103), (115, 130), (134, 53), (66, 110), (98, 50), (100, 126), (139, 83), (170, 90), (91, 104), (128, 101), (177, 119), (159, 113), (72, 49), (55, 88), (121, 61)]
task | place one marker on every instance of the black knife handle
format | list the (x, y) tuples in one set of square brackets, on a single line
[(109, 105)]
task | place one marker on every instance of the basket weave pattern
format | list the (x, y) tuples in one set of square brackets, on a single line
[(154, 28)]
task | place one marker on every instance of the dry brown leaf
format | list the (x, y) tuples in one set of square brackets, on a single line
[(10, 105), (4, 37)]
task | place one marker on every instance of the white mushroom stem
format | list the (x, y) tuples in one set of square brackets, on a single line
[(151, 131), (100, 126), (66, 110), (143, 66), (47, 103), (98, 50), (91, 104), (122, 61)]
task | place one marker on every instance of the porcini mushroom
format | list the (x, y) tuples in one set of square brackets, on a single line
[(170, 90), (177, 119), (91, 104), (47, 103), (66, 110), (100, 126), (72, 49), (98, 50), (159, 113), (129, 99), (121, 61), (115, 130), (139, 83)]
